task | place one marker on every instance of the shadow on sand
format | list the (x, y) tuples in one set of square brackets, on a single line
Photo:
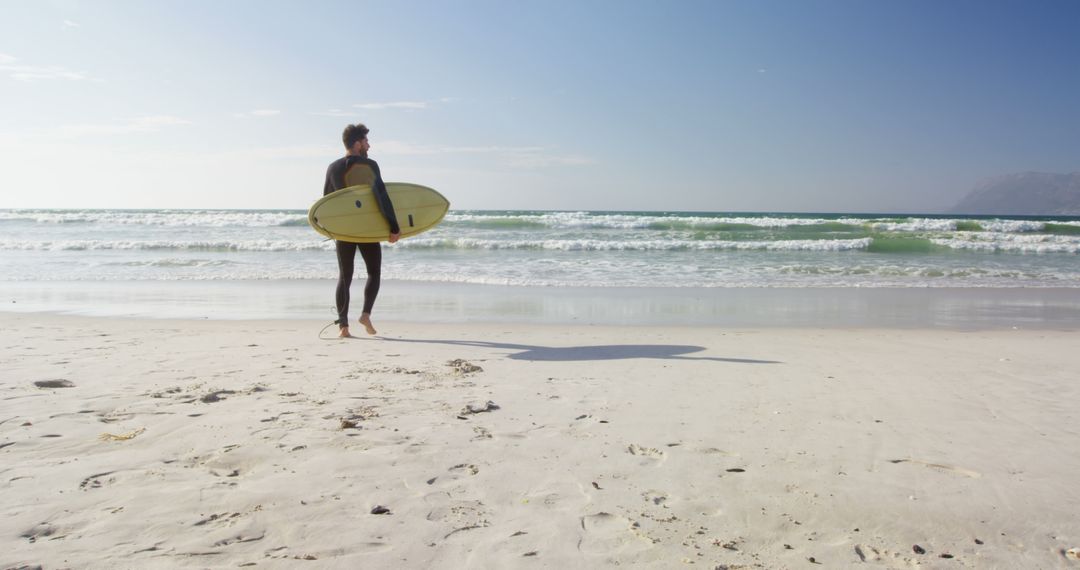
[(581, 353)]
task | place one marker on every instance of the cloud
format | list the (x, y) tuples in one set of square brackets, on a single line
[(322, 152), (406, 148), (412, 105), (543, 160), (384, 105), (334, 113), (137, 125), (258, 113), (516, 157), (30, 73), (68, 24)]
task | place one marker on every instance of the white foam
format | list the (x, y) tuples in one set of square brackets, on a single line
[(183, 245), (1012, 226), (174, 218), (1012, 243), (586, 220), (637, 245), (916, 225)]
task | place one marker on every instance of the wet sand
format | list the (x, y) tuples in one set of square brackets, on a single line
[(451, 303)]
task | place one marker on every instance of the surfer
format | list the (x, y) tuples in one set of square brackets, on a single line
[(353, 169)]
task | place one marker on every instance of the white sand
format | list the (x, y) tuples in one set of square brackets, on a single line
[(639, 447)]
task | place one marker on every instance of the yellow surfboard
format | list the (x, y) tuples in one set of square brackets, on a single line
[(352, 214)]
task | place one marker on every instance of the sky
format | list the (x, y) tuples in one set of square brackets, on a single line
[(676, 105)]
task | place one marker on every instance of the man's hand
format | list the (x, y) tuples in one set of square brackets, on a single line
[(394, 237)]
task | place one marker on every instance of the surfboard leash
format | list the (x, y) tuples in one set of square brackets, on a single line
[(320, 335), (332, 323)]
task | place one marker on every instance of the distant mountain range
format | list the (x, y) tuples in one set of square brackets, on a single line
[(1024, 193)]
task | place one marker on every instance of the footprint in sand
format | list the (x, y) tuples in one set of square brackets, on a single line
[(461, 516), (43, 530), (651, 454), (867, 553), (464, 469), (371, 547), (655, 497), (715, 451), (940, 467), (240, 538), (870, 554), (98, 480), (114, 416), (605, 534), (219, 519), (220, 463), (459, 471)]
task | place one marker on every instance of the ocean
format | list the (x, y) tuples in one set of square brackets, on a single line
[(99, 250)]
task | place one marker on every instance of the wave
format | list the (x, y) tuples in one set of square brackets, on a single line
[(1064, 229), (630, 221), (1012, 243), (750, 223), (174, 218), (635, 245), (173, 263), (877, 243), (183, 245), (673, 276), (918, 271), (893, 244), (525, 221)]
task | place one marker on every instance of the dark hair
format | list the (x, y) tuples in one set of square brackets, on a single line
[(354, 133)]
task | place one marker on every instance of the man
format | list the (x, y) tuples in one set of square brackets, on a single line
[(353, 169)]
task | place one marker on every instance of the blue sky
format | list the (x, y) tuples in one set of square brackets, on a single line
[(624, 105)]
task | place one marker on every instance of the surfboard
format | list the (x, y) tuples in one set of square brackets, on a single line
[(352, 214)]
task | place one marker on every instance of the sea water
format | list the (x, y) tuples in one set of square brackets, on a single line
[(547, 250)]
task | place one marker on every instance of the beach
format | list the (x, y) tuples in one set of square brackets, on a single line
[(724, 285), (548, 390), (134, 442)]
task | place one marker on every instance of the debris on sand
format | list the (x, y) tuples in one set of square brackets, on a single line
[(54, 384), (353, 418), (216, 396), (121, 437), (478, 408), (461, 366)]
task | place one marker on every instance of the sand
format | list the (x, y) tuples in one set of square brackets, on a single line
[(226, 444)]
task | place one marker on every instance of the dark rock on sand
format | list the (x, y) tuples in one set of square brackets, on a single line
[(54, 384)]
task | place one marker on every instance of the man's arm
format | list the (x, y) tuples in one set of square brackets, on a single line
[(334, 177), (385, 205)]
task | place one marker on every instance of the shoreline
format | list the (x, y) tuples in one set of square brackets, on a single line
[(421, 302), (229, 443)]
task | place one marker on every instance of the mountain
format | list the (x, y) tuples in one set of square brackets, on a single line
[(1024, 193)]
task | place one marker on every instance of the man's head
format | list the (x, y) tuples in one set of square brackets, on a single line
[(355, 139)]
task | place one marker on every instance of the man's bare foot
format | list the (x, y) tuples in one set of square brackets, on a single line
[(365, 319), (344, 333)]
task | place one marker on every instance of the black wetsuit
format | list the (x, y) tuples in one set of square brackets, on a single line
[(351, 171)]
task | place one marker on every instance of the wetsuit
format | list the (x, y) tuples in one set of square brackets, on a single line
[(352, 171)]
